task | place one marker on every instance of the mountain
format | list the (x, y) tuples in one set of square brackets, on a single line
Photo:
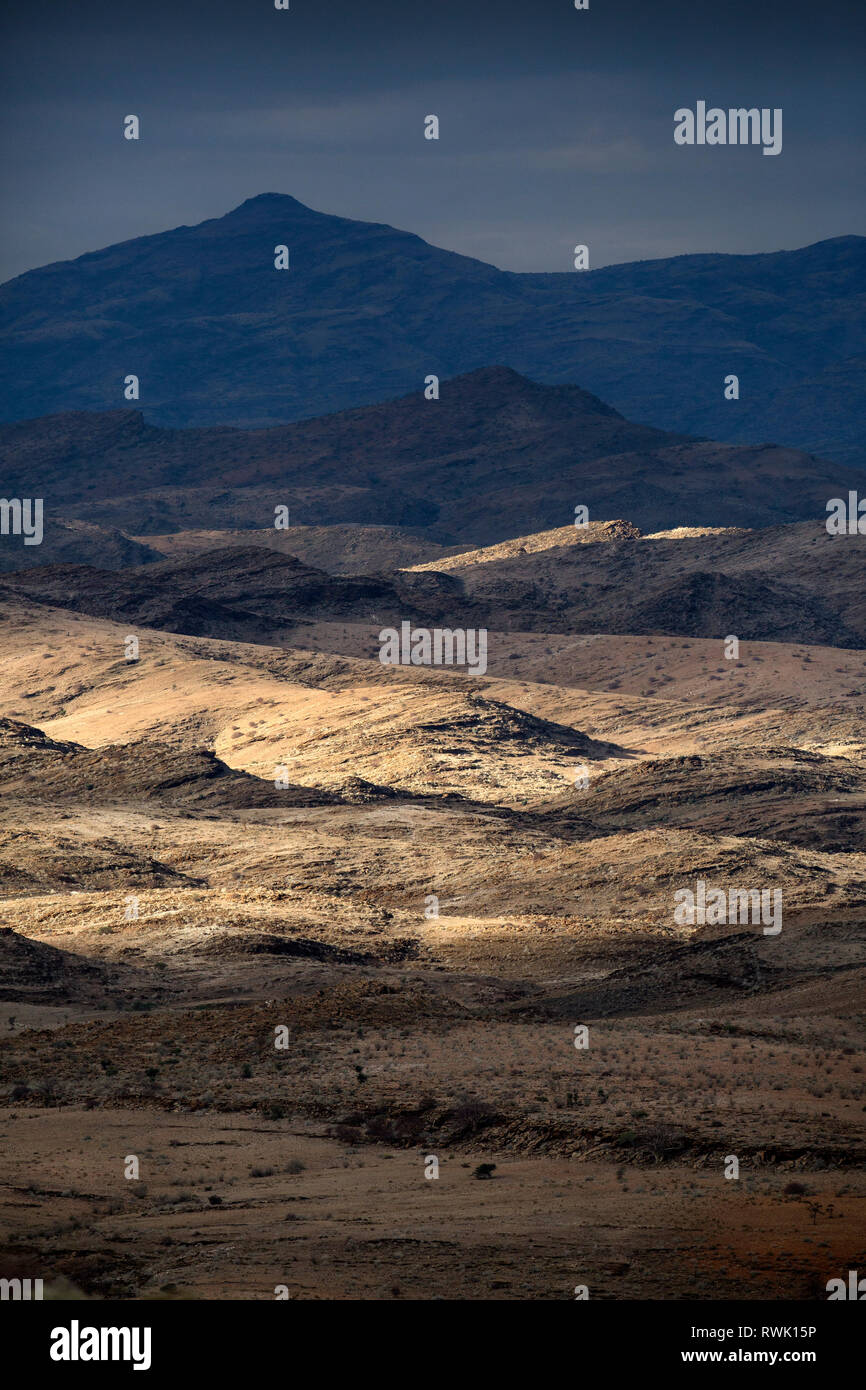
[(791, 584), (497, 455), (217, 335)]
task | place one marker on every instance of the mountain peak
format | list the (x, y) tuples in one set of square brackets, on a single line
[(273, 202), (217, 332), (496, 386)]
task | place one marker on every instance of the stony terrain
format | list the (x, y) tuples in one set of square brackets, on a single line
[(423, 883)]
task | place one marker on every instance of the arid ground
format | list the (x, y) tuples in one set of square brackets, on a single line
[(283, 930)]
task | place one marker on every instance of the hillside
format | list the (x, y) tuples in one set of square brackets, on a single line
[(218, 336), (780, 584), (496, 456), (430, 880)]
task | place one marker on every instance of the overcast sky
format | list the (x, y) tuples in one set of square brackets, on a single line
[(556, 124)]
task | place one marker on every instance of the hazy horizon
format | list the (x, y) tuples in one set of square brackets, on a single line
[(333, 212), (556, 124)]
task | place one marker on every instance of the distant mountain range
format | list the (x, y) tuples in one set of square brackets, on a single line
[(217, 335), (496, 456)]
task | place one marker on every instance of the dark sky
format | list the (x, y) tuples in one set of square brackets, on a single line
[(556, 125)]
